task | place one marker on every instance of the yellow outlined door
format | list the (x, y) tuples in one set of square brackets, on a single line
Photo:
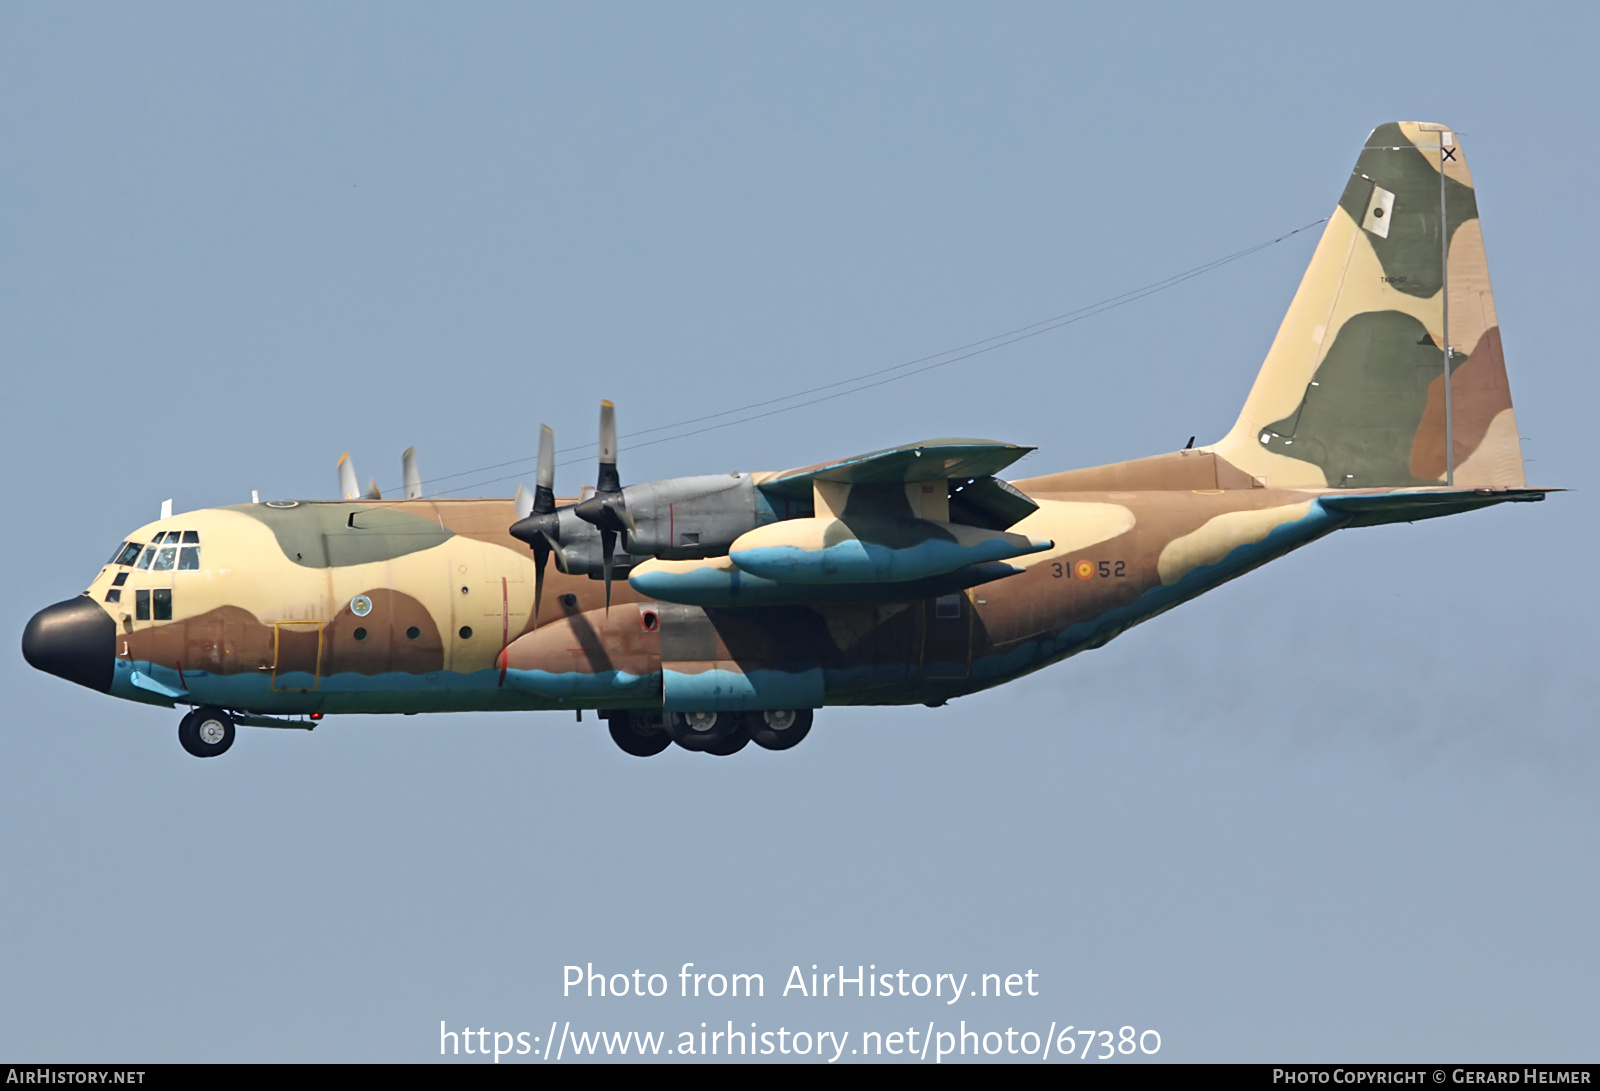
[(297, 655)]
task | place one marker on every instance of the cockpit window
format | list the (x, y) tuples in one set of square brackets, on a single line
[(164, 554)]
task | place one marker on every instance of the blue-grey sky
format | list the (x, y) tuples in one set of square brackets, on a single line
[(1342, 808)]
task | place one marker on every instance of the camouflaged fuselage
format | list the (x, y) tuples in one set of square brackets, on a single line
[(268, 623)]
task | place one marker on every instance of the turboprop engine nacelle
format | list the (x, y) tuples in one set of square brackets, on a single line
[(687, 518), (577, 551), (679, 518)]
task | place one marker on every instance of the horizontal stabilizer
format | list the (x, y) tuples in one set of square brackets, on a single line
[(1373, 509)]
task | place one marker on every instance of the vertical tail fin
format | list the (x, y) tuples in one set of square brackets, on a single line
[(1352, 392)]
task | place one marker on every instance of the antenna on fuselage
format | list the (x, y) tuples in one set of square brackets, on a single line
[(166, 509)]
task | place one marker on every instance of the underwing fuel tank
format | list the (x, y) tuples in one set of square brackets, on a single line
[(720, 582), (825, 550)]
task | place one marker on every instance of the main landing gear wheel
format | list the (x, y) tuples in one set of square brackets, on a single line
[(732, 744), (206, 732), (635, 734), (779, 729), (700, 731)]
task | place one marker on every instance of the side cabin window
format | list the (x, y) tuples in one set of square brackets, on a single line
[(946, 607), (153, 605)]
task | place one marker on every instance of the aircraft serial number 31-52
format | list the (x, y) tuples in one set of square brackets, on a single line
[(713, 611)]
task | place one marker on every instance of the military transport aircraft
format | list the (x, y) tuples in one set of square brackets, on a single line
[(712, 611)]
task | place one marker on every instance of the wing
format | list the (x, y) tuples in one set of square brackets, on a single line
[(958, 459), (913, 521)]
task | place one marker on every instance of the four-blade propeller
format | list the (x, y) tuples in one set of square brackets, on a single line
[(606, 509), (350, 490), (541, 526)]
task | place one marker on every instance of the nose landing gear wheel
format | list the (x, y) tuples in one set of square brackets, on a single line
[(206, 732), (779, 729), (634, 733)]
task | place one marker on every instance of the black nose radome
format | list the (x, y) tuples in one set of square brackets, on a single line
[(75, 640)]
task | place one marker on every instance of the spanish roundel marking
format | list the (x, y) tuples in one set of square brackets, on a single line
[(1083, 569)]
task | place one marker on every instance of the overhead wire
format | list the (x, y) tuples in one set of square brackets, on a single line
[(869, 380)]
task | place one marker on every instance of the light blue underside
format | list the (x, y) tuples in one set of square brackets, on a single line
[(708, 586), (717, 690), (856, 561)]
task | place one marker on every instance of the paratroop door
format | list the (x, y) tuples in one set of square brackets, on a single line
[(297, 659)]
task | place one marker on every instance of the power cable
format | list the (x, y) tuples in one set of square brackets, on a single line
[(882, 376)]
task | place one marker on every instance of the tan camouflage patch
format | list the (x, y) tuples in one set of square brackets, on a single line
[(1221, 535)]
